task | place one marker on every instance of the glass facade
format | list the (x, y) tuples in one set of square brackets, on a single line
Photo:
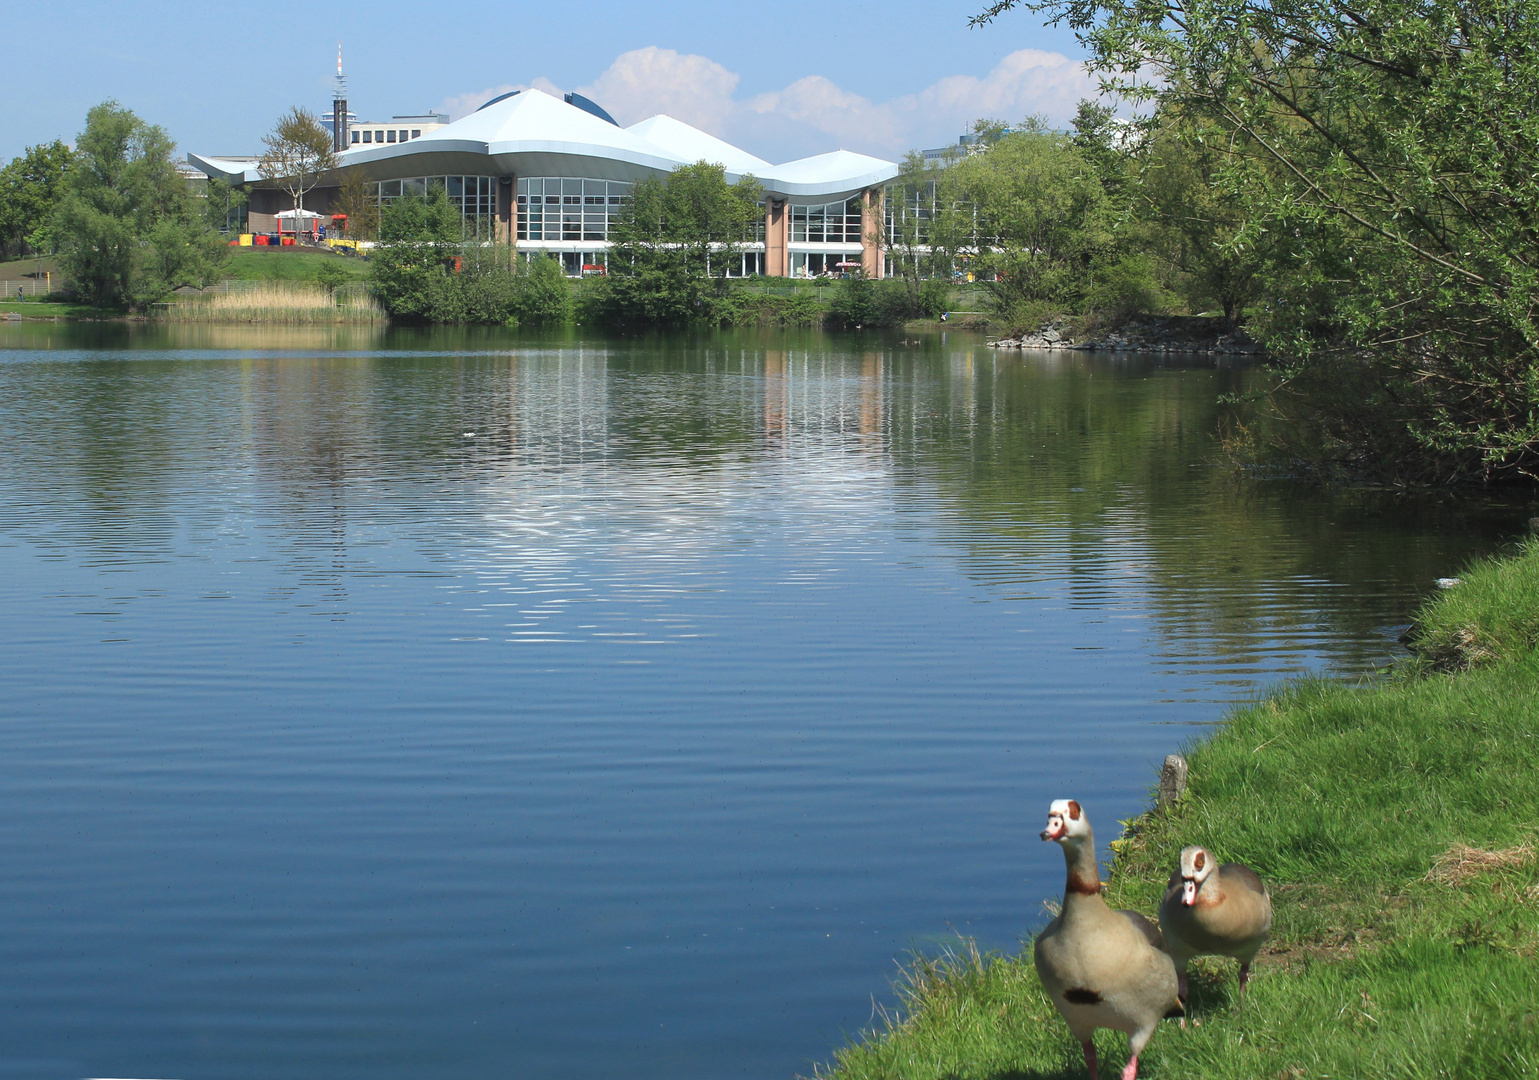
[(473, 196), (557, 208), (909, 209), (809, 264), (831, 223)]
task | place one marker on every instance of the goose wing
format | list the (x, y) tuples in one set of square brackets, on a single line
[(1150, 932)]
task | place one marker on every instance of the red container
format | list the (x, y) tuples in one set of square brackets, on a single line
[(288, 241), (259, 240)]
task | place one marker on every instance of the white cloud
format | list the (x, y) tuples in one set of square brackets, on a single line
[(465, 104), (814, 113), (645, 82)]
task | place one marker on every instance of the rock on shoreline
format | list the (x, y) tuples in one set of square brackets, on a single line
[(1172, 334)]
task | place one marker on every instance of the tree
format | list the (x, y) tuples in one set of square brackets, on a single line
[(909, 212), (126, 227), (543, 296), (1030, 216), (672, 246), (1185, 212), (1395, 146), (358, 198), (298, 153), (30, 188), (423, 271), (222, 205)]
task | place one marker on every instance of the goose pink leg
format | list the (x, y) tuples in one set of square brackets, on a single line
[(1089, 1048), (1131, 1071), (1244, 978)]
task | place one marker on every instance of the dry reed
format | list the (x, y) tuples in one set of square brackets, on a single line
[(1460, 863), (289, 303)]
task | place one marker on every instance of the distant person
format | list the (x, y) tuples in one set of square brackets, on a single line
[(18, 294), (945, 315)]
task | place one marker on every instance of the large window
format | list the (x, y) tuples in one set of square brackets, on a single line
[(832, 223), (910, 208), (474, 196), (557, 208)]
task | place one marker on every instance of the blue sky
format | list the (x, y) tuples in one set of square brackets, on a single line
[(780, 80)]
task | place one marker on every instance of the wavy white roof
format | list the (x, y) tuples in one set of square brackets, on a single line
[(691, 144), (534, 134)]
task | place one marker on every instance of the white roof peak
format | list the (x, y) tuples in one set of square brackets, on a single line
[(691, 144)]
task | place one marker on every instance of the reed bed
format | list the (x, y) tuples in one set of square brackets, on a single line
[(284, 303)]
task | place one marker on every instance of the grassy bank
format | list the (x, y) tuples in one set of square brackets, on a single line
[(1396, 823), (286, 264)]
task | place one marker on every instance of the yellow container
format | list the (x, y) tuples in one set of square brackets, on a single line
[(245, 239)]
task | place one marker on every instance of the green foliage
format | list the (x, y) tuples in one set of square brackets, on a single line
[(672, 246), (332, 274), (1029, 217), (1387, 957), (1493, 614), (127, 230), (1185, 213), (542, 294), (860, 302), (224, 206), (1388, 150), (749, 306), (423, 271), (359, 200), (1128, 285), (298, 152), (30, 188)]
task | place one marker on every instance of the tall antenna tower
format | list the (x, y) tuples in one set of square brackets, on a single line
[(339, 108)]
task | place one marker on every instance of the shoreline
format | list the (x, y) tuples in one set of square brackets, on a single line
[(1145, 333), (1397, 825)]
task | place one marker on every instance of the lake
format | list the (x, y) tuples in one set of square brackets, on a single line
[(401, 704)]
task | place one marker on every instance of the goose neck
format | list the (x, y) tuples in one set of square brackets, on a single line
[(1083, 878)]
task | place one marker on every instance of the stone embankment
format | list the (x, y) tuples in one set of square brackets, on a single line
[(1168, 334)]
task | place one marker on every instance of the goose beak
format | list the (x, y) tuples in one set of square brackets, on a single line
[(1054, 830), (1188, 892)]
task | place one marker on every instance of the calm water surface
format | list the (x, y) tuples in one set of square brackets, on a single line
[(475, 706)]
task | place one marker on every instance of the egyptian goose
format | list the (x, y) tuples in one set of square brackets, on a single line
[(1101, 967), (1213, 910)]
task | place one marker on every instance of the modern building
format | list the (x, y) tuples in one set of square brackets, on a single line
[(397, 129), (547, 175)]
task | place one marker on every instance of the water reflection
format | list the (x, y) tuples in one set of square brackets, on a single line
[(1095, 471), (465, 685)]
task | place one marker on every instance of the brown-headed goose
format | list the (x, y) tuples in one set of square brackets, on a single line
[(1102, 968), (1213, 910)]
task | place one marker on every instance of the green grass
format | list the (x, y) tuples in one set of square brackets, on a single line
[(1494, 613), (55, 309), (1390, 956), (280, 264)]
